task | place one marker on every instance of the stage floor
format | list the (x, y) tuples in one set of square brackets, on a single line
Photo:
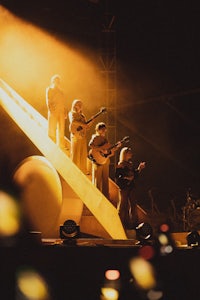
[(77, 270)]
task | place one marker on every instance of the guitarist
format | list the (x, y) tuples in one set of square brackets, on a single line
[(125, 176), (78, 152), (100, 172)]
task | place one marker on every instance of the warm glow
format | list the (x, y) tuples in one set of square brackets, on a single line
[(35, 127), (143, 273), (30, 56), (163, 239), (164, 250), (109, 294), (147, 252), (164, 228), (32, 285), (9, 216), (112, 274)]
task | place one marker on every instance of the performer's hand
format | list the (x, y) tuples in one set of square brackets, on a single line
[(90, 124), (130, 178), (141, 166), (119, 145)]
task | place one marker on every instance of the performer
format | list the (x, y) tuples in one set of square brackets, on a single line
[(57, 111), (100, 157), (125, 177), (78, 128)]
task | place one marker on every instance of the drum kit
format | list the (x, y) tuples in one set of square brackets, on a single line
[(191, 213)]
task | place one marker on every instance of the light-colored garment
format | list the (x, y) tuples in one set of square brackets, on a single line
[(56, 105), (79, 151), (100, 175), (100, 172)]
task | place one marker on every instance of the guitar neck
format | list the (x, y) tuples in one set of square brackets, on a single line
[(124, 140), (113, 146), (94, 117)]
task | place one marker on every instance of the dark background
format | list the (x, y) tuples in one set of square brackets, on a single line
[(157, 44), (78, 272)]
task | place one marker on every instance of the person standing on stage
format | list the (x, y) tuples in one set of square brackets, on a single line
[(78, 129), (125, 176), (99, 155), (57, 111)]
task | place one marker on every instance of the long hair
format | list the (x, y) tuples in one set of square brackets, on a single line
[(99, 126), (123, 152), (74, 103), (54, 77)]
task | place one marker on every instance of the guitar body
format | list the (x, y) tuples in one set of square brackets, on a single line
[(123, 176), (101, 155), (124, 183), (80, 131)]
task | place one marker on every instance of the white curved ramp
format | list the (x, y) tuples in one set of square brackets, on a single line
[(40, 194), (46, 201)]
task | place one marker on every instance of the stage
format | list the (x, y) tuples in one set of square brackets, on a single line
[(151, 93)]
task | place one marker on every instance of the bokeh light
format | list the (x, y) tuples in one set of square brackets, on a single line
[(32, 285), (10, 221), (147, 252), (143, 273), (109, 293), (112, 274)]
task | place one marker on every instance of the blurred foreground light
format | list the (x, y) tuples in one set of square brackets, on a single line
[(31, 285), (165, 250), (164, 240), (164, 227), (154, 294), (109, 293), (112, 274), (9, 216), (165, 244), (147, 252), (111, 286), (143, 273)]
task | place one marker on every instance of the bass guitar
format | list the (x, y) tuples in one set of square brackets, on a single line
[(101, 154), (80, 131)]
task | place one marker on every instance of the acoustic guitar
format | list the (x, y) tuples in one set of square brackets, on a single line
[(80, 131), (101, 154)]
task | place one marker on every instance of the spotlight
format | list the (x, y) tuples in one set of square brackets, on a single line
[(144, 233), (193, 238), (69, 230)]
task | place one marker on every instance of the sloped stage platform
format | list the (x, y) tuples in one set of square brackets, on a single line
[(53, 188), (48, 200), (35, 128)]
